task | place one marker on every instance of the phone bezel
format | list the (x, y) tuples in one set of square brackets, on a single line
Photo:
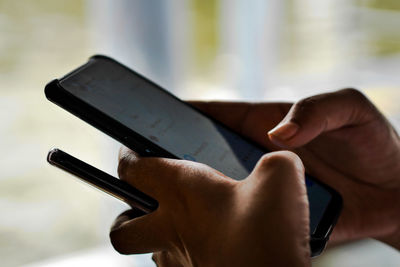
[(145, 147)]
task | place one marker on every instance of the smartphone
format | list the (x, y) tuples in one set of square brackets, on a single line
[(153, 122), (103, 181)]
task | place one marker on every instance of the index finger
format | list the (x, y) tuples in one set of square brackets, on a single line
[(152, 176), (252, 120)]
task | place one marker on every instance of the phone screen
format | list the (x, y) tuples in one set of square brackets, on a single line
[(178, 128)]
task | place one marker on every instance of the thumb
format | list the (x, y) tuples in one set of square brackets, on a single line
[(277, 186), (278, 178), (312, 116)]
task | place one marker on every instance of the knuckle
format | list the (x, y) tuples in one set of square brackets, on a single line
[(129, 166), (122, 167), (305, 108), (126, 158), (353, 92), (356, 95), (307, 104)]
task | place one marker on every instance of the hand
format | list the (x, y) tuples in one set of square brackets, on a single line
[(345, 142), (207, 219)]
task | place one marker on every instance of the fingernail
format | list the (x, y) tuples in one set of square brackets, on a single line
[(285, 131)]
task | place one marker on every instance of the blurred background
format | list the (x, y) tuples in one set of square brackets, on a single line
[(257, 50)]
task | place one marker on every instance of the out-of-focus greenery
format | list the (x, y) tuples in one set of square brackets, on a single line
[(23, 7), (315, 38), (383, 34), (44, 213), (392, 5), (20, 20), (205, 32)]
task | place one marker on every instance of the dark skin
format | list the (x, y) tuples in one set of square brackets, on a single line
[(342, 139), (205, 218)]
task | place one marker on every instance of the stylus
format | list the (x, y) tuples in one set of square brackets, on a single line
[(102, 180)]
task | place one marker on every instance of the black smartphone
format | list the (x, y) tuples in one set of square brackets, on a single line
[(153, 122), (103, 181)]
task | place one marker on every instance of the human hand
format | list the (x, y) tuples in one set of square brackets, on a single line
[(205, 218), (345, 142)]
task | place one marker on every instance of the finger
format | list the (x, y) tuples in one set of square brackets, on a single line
[(235, 114), (312, 116), (153, 176), (253, 120), (282, 173), (125, 216), (127, 153), (278, 179), (132, 235), (165, 179)]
